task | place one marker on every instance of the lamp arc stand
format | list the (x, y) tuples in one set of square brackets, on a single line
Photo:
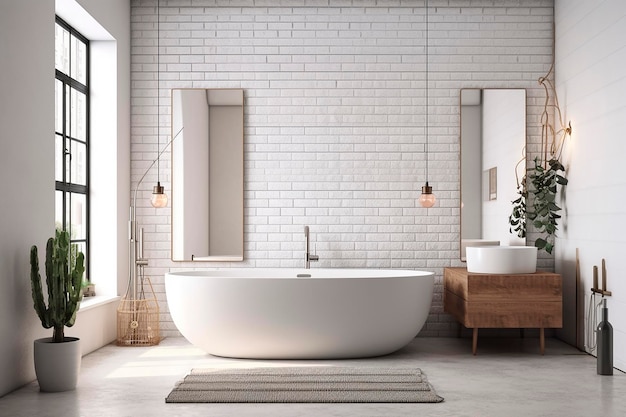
[(135, 242), (138, 315)]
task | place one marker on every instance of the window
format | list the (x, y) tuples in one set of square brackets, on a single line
[(72, 135)]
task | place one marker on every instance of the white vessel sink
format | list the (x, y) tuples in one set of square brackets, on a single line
[(465, 243), (502, 259)]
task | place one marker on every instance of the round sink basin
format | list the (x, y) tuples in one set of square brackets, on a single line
[(502, 259), (465, 243)]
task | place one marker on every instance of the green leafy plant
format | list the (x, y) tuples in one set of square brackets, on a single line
[(544, 212), (64, 271), (517, 219), (546, 176)]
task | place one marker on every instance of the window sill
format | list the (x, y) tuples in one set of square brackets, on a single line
[(92, 302)]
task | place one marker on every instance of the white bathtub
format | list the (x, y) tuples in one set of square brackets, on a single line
[(275, 314)]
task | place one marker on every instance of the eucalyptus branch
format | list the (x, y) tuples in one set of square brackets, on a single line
[(546, 176), (544, 212)]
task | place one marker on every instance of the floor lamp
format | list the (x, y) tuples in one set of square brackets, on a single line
[(138, 313)]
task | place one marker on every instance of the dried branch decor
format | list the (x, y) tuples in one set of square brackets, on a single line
[(547, 174)]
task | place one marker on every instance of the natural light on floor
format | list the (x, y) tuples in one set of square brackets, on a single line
[(158, 361), (172, 360)]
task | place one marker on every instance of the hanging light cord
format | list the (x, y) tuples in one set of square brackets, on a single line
[(158, 77), (426, 130), (427, 198)]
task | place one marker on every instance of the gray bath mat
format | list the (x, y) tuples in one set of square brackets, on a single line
[(306, 384)]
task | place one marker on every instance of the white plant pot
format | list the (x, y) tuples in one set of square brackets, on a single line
[(57, 364)]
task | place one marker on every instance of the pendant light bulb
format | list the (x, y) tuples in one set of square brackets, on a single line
[(158, 199), (427, 198)]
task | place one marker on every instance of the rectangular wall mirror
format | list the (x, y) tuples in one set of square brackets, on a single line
[(207, 175), (493, 140)]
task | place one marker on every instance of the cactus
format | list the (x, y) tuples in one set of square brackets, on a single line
[(64, 276)]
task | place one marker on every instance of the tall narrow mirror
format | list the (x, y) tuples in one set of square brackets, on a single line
[(493, 139), (207, 175)]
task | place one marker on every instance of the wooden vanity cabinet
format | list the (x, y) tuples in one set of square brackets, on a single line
[(504, 301)]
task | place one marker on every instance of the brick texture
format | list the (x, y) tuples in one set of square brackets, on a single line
[(335, 117)]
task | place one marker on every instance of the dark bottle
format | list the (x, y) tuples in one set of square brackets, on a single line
[(605, 343)]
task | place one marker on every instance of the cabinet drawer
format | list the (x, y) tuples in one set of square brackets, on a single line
[(504, 301), (540, 286)]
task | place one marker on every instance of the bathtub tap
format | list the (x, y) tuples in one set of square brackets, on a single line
[(308, 258)]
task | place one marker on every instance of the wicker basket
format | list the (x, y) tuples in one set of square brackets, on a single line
[(138, 320)]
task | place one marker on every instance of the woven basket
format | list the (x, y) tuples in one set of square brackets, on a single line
[(138, 320)]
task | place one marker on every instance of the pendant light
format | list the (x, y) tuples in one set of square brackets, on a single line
[(427, 198), (158, 199)]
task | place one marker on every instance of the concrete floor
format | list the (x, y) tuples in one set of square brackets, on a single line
[(508, 377)]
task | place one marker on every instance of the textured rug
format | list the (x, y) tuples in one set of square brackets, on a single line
[(308, 384)]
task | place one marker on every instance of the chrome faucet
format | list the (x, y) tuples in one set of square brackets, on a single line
[(308, 258)]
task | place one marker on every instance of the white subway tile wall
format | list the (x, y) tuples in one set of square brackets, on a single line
[(335, 117)]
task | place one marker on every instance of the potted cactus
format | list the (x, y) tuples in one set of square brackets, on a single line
[(57, 358)]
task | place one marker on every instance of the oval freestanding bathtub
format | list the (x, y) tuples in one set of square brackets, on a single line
[(264, 313)]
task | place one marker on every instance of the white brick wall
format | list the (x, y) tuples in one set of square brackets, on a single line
[(334, 119), (591, 83)]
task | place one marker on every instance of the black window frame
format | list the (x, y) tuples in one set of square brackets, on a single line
[(65, 185)]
